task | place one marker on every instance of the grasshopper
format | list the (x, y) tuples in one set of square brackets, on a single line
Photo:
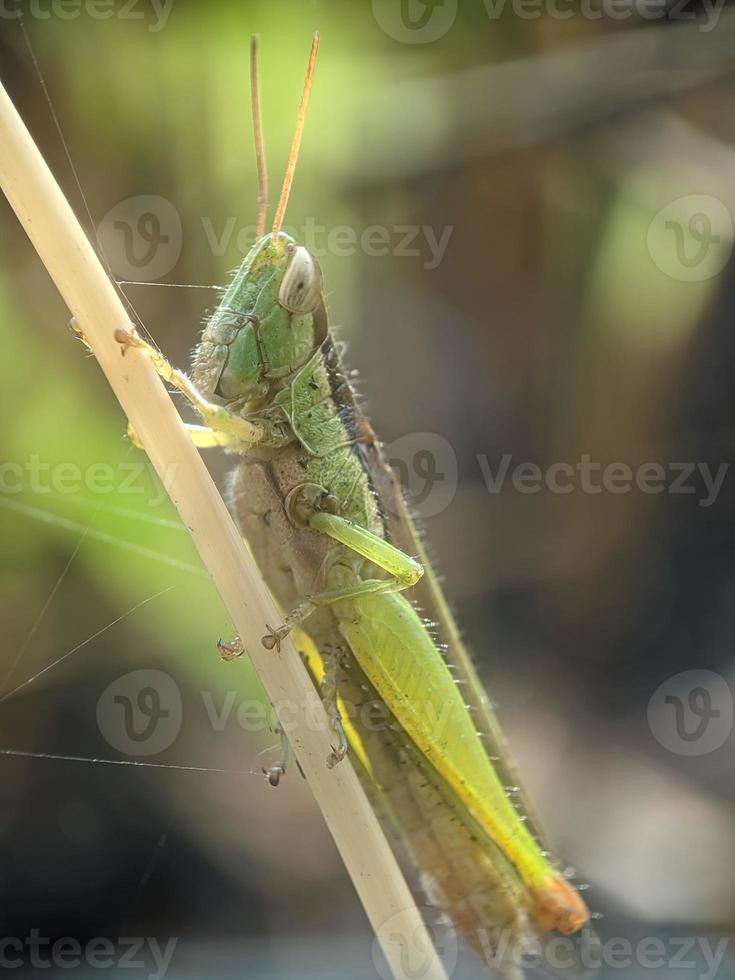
[(325, 518)]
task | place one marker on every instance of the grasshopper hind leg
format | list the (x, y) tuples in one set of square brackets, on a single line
[(276, 771), (328, 688), (329, 691), (403, 571), (232, 650)]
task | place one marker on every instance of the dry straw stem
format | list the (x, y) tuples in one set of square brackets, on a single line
[(73, 265)]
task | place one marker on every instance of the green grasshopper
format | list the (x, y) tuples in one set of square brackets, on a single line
[(325, 518)]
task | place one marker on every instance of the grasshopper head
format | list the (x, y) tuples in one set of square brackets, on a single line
[(270, 321), (272, 317)]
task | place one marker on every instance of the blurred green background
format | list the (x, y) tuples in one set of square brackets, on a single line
[(524, 224)]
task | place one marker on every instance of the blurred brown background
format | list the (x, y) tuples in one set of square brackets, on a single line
[(524, 217)]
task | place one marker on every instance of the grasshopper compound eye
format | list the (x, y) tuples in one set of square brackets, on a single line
[(301, 286)]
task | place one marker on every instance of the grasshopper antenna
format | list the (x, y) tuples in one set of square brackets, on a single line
[(298, 132), (258, 134)]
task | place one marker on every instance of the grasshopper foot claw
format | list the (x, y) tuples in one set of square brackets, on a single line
[(126, 339), (230, 651), (337, 754), (274, 773), (272, 639), (78, 332), (133, 437)]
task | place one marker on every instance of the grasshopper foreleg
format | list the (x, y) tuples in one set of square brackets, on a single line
[(205, 438), (79, 333), (201, 436), (232, 650), (217, 417)]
